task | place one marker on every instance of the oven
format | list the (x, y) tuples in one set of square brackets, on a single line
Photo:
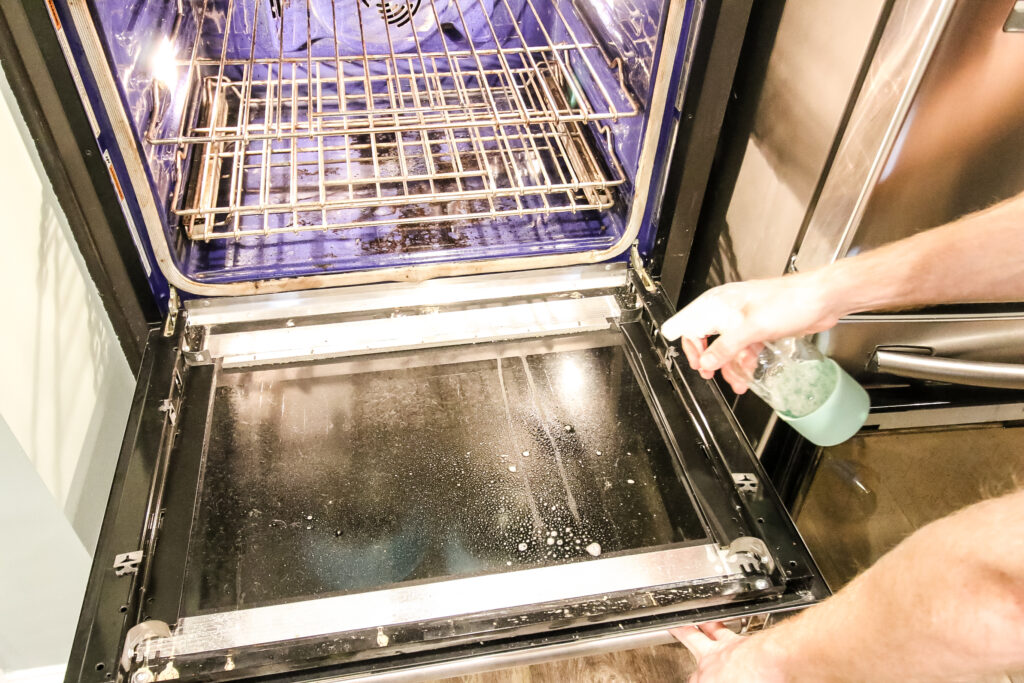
[(407, 412)]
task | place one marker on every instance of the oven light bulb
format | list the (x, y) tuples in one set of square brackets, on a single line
[(163, 65)]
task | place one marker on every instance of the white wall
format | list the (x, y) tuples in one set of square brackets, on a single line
[(65, 390), (43, 567)]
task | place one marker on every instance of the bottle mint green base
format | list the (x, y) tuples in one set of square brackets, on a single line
[(837, 419)]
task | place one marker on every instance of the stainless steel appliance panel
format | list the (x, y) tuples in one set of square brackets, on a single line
[(789, 119), (959, 148), (937, 132)]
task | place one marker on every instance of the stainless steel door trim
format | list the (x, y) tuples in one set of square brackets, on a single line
[(393, 295), (899, 63), (762, 441), (946, 417), (442, 355), (424, 602), (932, 318), (537, 655), (439, 328), (953, 370), (138, 178), (504, 660)]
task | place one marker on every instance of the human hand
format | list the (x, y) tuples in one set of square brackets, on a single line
[(722, 655), (745, 314)]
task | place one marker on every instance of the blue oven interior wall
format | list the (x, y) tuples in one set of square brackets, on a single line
[(150, 46)]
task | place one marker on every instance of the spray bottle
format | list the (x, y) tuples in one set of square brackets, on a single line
[(804, 387), (809, 391)]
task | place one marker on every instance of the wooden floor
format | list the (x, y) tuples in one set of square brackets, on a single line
[(654, 664), (867, 495), (873, 491)]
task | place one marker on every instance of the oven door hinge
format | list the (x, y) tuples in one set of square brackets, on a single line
[(654, 310), (133, 646), (173, 306), (750, 555), (169, 408), (637, 264)]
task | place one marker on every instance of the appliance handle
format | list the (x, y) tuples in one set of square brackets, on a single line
[(970, 372)]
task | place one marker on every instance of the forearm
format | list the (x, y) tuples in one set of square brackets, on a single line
[(978, 258), (946, 603)]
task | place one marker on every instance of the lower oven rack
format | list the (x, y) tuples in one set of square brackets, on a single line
[(328, 181)]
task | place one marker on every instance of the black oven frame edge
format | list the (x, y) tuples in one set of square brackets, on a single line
[(135, 511), (698, 140), (710, 410), (47, 96), (110, 601)]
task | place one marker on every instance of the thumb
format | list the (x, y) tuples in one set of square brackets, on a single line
[(724, 349)]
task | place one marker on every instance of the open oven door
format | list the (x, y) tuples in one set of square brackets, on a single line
[(410, 481)]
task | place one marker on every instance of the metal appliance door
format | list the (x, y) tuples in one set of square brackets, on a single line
[(914, 157), (418, 480)]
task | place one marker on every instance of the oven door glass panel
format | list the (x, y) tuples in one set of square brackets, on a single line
[(356, 475)]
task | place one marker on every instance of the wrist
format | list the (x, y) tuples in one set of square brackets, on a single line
[(836, 291), (762, 652)]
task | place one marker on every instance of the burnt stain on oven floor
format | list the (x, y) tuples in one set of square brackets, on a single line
[(415, 239)]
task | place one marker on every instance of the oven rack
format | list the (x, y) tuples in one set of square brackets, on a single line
[(265, 187), (488, 82)]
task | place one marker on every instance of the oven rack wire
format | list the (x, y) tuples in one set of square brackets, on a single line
[(393, 91), (267, 187), (292, 143)]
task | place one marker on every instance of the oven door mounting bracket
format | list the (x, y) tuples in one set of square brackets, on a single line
[(173, 304), (637, 264)]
